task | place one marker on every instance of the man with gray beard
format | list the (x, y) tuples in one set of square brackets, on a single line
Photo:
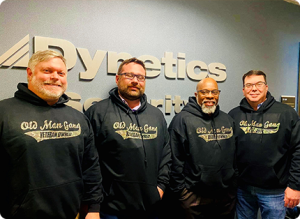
[(203, 173)]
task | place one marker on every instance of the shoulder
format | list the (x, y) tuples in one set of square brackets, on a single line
[(7, 106), (154, 110), (282, 106), (98, 107), (7, 101), (179, 120), (234, 111), (284, 109), (12, 105), (225, 115)]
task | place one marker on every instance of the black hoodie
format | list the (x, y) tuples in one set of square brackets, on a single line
[(268, 148), (48, 161), (134, 153), (203, 150)]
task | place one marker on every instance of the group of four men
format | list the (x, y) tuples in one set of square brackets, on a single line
[(51, 155)]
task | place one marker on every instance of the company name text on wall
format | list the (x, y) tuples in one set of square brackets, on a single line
[(18, 56)]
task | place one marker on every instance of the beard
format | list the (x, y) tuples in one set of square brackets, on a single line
[(129, 94), (207, 109), (47, 92)]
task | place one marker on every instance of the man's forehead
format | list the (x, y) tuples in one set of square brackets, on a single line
[(210, 85), (254, 78), (55, 60), (133, 67)]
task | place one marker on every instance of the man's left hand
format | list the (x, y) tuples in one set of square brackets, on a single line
[(93, 215), (161, 192), (291, 197)]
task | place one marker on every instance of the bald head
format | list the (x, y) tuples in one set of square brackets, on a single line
[(207, 95), (207, 82)]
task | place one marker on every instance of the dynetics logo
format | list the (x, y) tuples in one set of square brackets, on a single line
[(18, 56)]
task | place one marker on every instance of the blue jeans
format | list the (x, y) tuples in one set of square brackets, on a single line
[(269, 201)]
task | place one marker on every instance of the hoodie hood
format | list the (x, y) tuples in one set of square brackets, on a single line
[(24, 93), (194, 108), (114, 95)]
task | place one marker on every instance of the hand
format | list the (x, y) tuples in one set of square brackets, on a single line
[(291, 197), (161, 192), (93, 215)]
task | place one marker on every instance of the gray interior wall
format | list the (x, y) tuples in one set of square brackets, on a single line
[(242, 35)]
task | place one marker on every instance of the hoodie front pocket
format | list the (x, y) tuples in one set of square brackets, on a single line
[(60, 201), (132, 195)]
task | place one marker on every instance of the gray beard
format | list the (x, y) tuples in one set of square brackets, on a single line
[(207, 109)]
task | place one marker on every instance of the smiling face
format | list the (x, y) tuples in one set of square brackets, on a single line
[(254, 95), (48, 80), (208, 102), (131, 89)]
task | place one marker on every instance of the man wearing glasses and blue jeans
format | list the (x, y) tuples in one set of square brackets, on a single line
[(268, 151)]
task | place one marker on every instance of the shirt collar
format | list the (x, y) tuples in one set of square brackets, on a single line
[(134, 108), (259, 105)]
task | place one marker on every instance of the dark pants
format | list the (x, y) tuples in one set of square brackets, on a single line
[(133, 216), (193, 206)]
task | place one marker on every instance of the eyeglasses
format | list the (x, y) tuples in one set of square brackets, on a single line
[(207, 92), (131, 76), (258, 85)]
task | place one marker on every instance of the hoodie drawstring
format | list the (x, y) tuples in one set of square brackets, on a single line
[(252, 127), (214, 131), (145, 154), (262, 128)]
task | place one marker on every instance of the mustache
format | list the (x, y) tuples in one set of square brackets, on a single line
[(205, 101), (135, 87), (50, 82)]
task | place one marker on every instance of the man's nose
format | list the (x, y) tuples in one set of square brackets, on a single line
[(209, 95), (54, 75), (254, 87)]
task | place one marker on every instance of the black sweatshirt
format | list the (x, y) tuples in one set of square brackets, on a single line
[(203, 151), (268, 148), (134, 153), (48, 161)]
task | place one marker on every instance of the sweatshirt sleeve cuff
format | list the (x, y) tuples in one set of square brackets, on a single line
[(162, 187), (94, 208)]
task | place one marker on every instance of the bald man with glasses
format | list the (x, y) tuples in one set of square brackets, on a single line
[(268, 151), (203, 174)]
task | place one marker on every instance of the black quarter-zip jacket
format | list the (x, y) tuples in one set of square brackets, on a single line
[(268, 148), (134, 153), (203, 151)]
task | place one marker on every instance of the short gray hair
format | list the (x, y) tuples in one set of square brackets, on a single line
[(41, 56)]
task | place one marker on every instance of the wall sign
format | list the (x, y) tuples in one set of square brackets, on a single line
[(18, 56)]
